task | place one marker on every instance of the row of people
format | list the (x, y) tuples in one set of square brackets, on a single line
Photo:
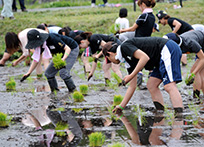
[(131, 50)]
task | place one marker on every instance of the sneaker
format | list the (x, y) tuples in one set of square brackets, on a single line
[(24, 10), (93, 5)]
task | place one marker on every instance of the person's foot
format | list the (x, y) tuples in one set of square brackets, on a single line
[(24, 10), (93, 5), (2, 17), (11, 17), (14, 10)]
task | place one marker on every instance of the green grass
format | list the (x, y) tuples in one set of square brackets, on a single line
[(98, 20)]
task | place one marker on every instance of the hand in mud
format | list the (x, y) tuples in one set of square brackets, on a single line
[(117, 110), (24, 77), (190, 79), (90, 76), (14, 64)]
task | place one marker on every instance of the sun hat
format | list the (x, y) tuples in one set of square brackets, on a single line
[(161, 14), (109, 47), (174, 37), (156, 27), (35, 39)]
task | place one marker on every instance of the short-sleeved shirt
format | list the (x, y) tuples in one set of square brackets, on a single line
[(152, 46), (57, 42), (184, 25), (74, 33), (95, 41), (145, 24), (192, 41), (122, 22), (54, 29)]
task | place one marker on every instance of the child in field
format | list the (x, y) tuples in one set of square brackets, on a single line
[(152, 53)]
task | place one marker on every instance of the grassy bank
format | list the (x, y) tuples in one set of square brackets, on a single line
[(98, 20)]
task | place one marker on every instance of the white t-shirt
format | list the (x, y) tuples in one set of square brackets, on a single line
[(23, 39), (198, 27), (122, 22)]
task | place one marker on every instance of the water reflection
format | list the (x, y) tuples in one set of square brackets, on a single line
[(62, 131), (150, 132)]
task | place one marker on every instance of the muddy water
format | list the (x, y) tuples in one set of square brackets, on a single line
[(138, 126)]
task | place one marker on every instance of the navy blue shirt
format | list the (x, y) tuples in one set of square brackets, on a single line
[(57, 42), (74, 33), (184, 25), (145, 24)]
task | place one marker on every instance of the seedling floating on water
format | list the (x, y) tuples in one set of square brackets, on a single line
[(96, 139), (61, 127), (58, 62), (4, 120), (83, 89), (11, 85), (117, 100), (117, 145), (78, 96)]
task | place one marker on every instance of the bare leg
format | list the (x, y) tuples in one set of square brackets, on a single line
[(175, 96), (184, 59), (153, 87), (116, 69), (106, 70), (5, 57), (45, 63), (86, 63)]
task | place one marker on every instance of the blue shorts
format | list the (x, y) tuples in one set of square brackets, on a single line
[(169, 67), (87, 52)]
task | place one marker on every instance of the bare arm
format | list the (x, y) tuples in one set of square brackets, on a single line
[(130, 29), (21, 58), (143, 59), (177, 26), (200, 64), (66, 53)]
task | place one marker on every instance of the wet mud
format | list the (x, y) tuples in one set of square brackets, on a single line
[(139, 125)]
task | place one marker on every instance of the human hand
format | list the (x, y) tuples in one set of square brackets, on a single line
[(24, 77), (190, 79), (118, 109), (14, 63)]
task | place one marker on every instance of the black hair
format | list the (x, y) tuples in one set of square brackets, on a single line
[(123, 12), (41, 26), (12, 42)]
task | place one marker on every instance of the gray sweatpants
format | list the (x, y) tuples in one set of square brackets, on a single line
[(50, 72)]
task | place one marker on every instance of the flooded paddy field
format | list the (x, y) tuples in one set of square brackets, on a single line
[(31, 106)]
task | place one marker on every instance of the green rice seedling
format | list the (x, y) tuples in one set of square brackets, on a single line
[(96, 139), (117, 78), (58, 62), (11, 84), (190, 80), (59, 109), (118, 144), (117, 99), (60, 128), (78, 96), (84, 89), (77, 110), (91, 59), (4, 120), (99, 65)]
